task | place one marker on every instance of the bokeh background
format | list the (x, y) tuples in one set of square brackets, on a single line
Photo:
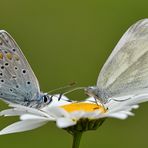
[(67, 41)]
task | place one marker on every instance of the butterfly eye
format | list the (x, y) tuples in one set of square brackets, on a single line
[(46, 99)]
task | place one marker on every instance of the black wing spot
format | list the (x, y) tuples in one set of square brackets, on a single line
[(14, 77), (11, 90), (17, 86), (6, 64), (15, 68), (1, 74), (2, 67), (2, 80), (24, 71), (13, 49), (28, 82)]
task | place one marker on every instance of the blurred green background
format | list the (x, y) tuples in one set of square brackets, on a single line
[(68, 41)]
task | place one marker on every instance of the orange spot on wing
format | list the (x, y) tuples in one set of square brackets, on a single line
[(16, 57), (1, 56), (9, 56)]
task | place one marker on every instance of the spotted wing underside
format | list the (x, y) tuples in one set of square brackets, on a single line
[(18, 83)]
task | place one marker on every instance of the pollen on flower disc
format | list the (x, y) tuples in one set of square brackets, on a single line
[(79, 106)]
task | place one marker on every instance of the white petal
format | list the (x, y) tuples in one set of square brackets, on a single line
[(118, 115), (22, 126), (82, 114), (77, 114), (57, 112), (129, 113), (11, 112), (65, 122), (32, 117), (30, 110), (94, 114)]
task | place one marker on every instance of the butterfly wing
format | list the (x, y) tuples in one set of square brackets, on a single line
[(126, 70), (18, 83)]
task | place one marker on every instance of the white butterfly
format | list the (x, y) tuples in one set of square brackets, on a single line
[(125, 73)]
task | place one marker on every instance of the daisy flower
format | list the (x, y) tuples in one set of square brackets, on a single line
[(72, 116), (30, 118), (122, 84)]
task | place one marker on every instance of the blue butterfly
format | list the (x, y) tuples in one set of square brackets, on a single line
[(18, 83)]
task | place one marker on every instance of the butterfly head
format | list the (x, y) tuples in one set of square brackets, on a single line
[(97, 94), (46, 99), (39, 102), (91, 91)]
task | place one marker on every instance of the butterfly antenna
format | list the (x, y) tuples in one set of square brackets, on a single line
[(61, 88), (77, 88)]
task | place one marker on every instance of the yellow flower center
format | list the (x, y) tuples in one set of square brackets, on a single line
[(81, 106)]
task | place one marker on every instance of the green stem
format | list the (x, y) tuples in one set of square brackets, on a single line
[(76, 139)]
